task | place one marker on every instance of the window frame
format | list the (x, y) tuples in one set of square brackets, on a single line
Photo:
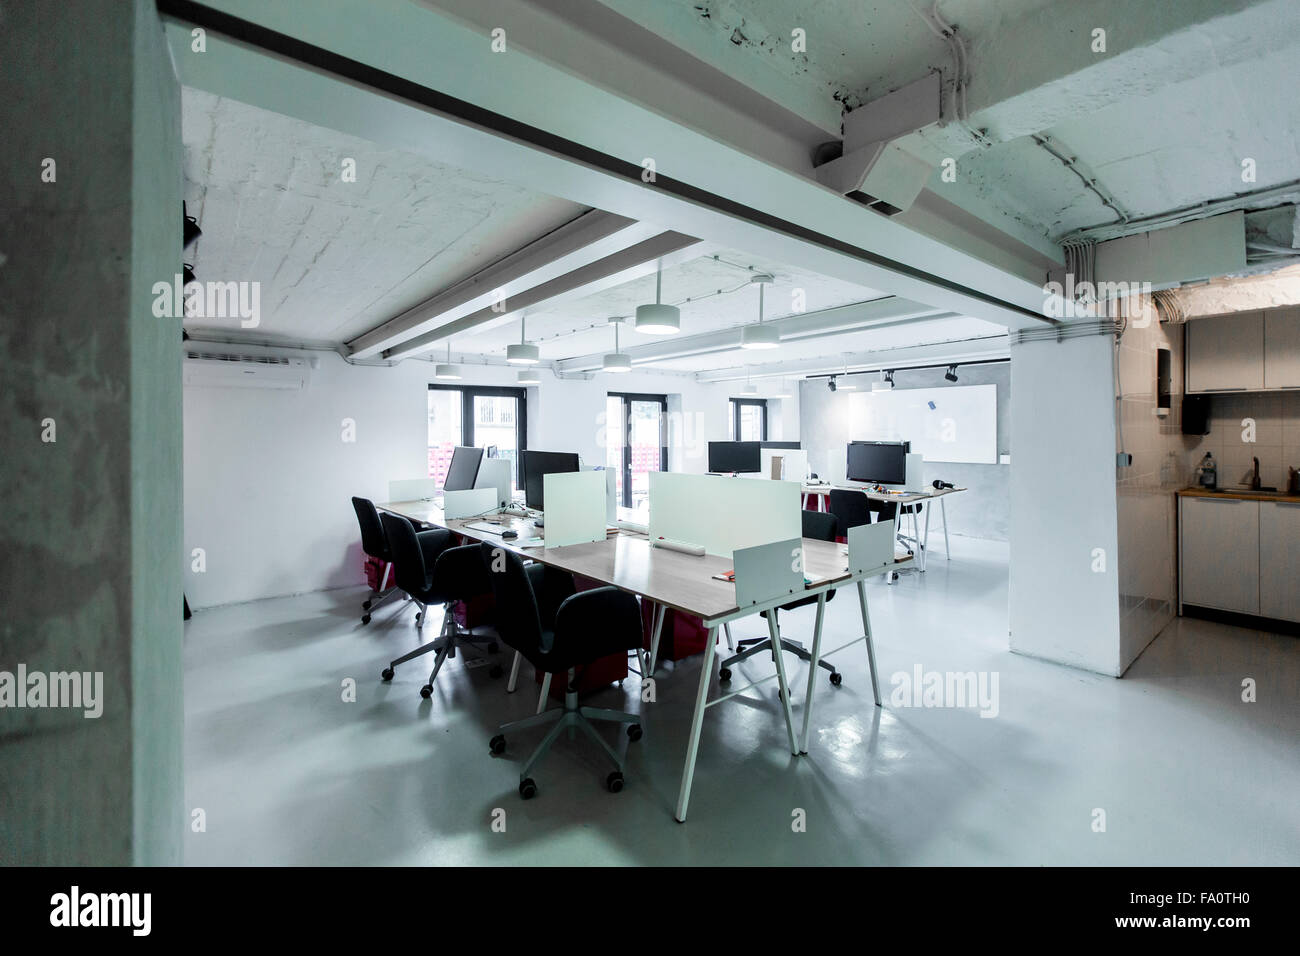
[(467, 395), (736, 403), (627, 399)]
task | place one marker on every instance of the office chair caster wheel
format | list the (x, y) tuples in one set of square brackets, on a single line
[(426, 691), (365, 605), (614, 782), (724, 674), (386, 673), (634, 732), (365, 618), (497, 745), (837, 678), (418, 615), (495, 672), (527, 789)]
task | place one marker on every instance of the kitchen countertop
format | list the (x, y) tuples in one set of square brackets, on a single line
[(1244, 494)]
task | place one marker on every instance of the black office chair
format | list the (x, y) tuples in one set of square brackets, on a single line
[(820, 527), (375, 544), (558, 631), (432, 572), (851, 509)]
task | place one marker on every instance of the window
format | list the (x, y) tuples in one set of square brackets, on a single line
[(636, 443), (480, 416), (748, 419)]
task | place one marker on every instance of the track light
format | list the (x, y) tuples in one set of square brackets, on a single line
[(830, 383), (522, 353), (658, 319), (951, 374), (447, 370), (616, 361), (187, 273), (846, 385)]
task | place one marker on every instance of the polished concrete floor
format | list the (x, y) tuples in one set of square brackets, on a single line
[(287, 772)]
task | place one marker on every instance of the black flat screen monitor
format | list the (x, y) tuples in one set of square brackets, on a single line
[(739, 457), (463, 469), (537, 465), (877, 462), (788, 445)]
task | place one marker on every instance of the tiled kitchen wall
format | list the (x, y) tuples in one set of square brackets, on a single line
[(1277, 438)]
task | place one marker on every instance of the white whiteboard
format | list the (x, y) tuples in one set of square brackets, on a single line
[(959, 423)]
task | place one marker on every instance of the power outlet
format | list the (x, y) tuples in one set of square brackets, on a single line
[(1123, 459)]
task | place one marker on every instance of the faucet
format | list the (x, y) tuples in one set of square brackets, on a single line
[(1254, 480)]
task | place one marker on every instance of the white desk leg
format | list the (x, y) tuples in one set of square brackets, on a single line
[(546, 692), (731, 645), (925, 536), (943, 506), (815, 655), (697, 723), (778, 656), (871, 647), (514, 673), (659, 615)]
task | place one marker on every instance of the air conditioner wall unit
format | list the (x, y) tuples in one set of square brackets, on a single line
[(208, 369)]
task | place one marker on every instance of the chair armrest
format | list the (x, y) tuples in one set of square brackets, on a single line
[(607, 611)]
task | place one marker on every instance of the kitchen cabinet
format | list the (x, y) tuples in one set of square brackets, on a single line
[(1282, 348), (1219, 553), (1279, 560), (1226, 353)]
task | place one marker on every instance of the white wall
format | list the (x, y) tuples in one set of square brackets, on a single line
[(1063, 503), (268, 477)]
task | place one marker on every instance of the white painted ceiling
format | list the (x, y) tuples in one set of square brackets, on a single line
[(337, 258), (1214, 86)]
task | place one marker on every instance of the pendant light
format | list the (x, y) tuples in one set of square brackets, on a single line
[(783, 391), (748, 389), (530, 376), (447, 370), (616, 361), (760, 336), (522, 352), (658, 319)]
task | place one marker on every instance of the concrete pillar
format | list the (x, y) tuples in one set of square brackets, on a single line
[(90, 427), (1064, 591)]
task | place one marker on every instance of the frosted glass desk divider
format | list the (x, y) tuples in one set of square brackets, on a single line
[(496, 473), (469, 504), (794, 463), (575, 508), (871, 547), (412, 489), (765, 573), (722, 514)]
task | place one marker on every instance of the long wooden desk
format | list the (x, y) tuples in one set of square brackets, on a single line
[(823, 493), (672, 579)]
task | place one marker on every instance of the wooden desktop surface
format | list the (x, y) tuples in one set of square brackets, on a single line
[(627, 561), (906, 497)]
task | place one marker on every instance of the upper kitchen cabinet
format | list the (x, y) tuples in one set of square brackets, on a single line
[(1282, 348), (1226, 353)]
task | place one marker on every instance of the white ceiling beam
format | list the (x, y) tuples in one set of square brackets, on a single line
[(981, 348), (857, 317), (592, 236), (620, 267), (421, 80)]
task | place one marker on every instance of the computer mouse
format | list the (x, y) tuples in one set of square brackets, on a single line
[(509, 534)]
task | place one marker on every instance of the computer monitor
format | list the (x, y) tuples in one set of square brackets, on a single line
[(727, 457), (463, 468), (787, 445), (536, 466), (877, 462)]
